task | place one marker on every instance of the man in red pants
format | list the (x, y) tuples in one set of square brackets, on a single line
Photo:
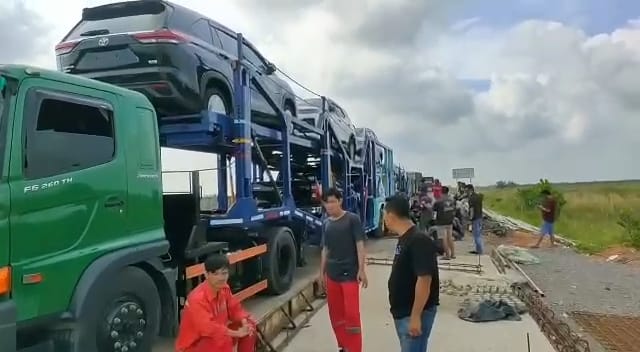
[(342, 271), (212, 319)]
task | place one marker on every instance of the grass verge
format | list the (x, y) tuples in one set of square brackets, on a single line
[(590, 217)]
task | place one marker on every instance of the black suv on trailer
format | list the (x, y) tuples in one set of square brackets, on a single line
[(177, 57)]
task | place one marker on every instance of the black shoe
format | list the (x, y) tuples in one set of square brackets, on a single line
[(473, 252)]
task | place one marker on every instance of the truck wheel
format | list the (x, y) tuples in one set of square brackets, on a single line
[(279, 263), (125, 316)]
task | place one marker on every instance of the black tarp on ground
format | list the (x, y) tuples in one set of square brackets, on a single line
[(489, 310)]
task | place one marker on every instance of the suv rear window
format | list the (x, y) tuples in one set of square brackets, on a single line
[(120, 18)]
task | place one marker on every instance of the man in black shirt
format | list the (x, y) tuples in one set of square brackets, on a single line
[(475, 214), (445, 211), (413, 283), (342, 271)]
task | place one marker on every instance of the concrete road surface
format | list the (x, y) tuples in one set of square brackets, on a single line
[(450, 334)]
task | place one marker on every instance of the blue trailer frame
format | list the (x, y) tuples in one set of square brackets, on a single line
[(236, 137)]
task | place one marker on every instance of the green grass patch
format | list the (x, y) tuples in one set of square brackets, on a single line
[(593, 215)]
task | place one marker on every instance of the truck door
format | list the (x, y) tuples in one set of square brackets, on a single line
[(68, 190)]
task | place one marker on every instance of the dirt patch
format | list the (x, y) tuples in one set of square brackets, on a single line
[(620, 254), (517, 238), (525, 239), (614, 332)]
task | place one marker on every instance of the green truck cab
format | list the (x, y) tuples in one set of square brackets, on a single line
[(82, 239)]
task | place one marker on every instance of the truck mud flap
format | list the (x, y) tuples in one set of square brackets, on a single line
[(280, 326)]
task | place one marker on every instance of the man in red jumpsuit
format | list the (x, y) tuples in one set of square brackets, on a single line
[(212, 318), (342, 271)]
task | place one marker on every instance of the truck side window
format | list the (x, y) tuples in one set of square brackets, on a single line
[(68, 136)]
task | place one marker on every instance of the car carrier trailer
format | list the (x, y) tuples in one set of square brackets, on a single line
[(96, 258)]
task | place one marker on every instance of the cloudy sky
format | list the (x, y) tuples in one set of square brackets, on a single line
[(517, 89)]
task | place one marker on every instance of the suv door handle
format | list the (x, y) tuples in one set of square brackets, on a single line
[(113, 202)]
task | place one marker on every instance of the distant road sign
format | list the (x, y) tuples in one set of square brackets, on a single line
[(463, 173)]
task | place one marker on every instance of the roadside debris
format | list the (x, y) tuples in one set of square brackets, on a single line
[(511, 224), (518, 255), (490, 309), (485, 302), (498, 228)]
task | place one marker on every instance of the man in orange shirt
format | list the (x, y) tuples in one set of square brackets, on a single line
[(212, 318)]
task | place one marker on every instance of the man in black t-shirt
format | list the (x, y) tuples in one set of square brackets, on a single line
[(475, 214), (413, 283), (445, 211)]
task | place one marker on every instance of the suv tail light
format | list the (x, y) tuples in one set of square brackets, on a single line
[(66, 47), (161, 36)]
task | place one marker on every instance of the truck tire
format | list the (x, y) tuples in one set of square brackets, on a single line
[(125, 313), (279, 263)]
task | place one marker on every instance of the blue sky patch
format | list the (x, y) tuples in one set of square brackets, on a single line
[(593, 16)]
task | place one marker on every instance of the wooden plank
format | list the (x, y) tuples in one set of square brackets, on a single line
[(245, 254), (251, 290), (234, 258)]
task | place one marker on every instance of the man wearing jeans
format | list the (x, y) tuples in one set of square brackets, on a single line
[(413, 283), (475, 214), (548, 209)]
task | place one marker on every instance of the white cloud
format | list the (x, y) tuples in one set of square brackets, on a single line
[(561, 104)]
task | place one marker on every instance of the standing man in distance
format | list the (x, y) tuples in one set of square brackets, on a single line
[(475, 214), (414, 282), (461, 191), (445, 211), (426, 213), (437, 189), (342, 271), (548, 209)]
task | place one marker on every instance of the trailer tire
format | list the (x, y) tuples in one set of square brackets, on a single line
[(279, 263), (126, 311)]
